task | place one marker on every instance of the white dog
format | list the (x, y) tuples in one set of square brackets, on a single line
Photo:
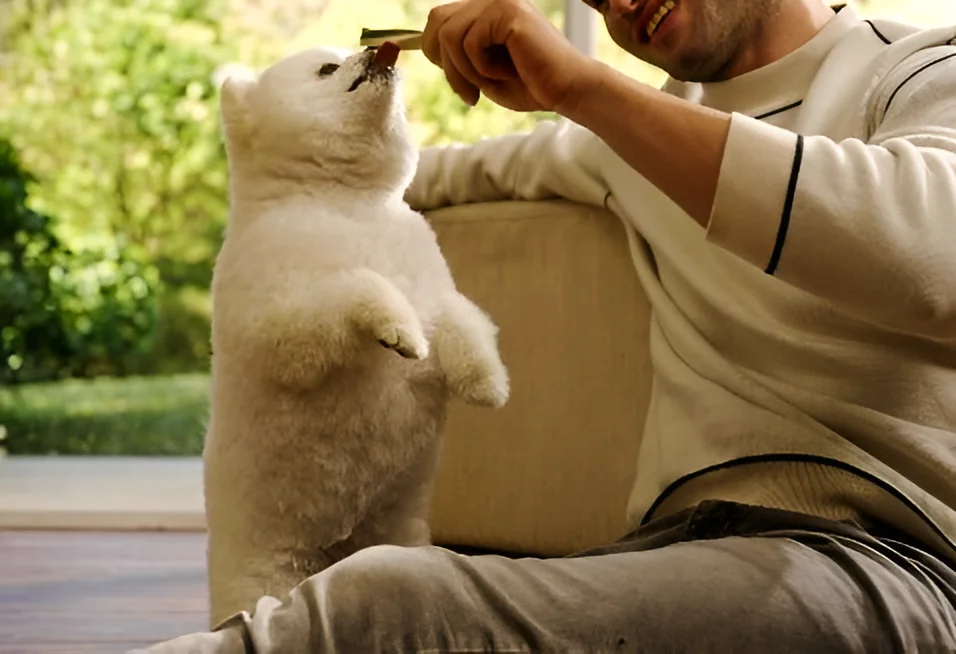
[(338, 333)]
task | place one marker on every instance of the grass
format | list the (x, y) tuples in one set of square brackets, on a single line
[(131, 416)]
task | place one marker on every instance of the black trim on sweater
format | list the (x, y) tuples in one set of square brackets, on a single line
[(798, 458), (787, 208), (878, 32), (912, 75), (774, 112)]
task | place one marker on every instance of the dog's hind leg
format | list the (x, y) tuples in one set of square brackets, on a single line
[(239, 585), (466, 342)]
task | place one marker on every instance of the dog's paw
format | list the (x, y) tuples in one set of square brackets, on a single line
[(410, 343), (485, 385)]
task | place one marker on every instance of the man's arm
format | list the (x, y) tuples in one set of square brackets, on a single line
[(870, 226), (555, 159)]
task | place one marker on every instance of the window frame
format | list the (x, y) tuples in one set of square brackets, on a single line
[(580, 26)]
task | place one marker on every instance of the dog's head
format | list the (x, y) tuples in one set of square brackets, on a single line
[(319, 116)]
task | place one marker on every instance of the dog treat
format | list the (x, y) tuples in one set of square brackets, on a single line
[(404, 39), (387, 54)]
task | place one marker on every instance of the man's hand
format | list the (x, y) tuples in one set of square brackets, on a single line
[(507, 50)]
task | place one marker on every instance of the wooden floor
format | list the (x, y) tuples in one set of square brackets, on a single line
[(77, 592)]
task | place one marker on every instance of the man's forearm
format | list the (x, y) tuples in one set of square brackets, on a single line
[(675, 145), (552, 160)]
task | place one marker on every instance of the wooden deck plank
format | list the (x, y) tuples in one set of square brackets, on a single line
[(78, 592)]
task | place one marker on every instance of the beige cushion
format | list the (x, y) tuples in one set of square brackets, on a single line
[(551, 472)]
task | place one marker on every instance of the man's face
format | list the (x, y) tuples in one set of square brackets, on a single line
[(691, 40)]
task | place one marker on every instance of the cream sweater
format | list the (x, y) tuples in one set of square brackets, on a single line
[(804, 344)]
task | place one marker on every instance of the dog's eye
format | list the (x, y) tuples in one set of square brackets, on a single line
[(327, 70)]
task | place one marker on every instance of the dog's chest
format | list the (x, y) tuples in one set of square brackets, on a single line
[(408, 255)]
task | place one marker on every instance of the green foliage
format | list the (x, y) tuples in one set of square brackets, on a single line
[(115, 111), (64, 312), (106, 299), (113, 106), (132, 416), (33, 338)]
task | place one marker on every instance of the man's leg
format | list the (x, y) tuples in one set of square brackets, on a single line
[(791, 592)]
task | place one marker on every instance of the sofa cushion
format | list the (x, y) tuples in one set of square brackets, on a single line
[(550, 473)]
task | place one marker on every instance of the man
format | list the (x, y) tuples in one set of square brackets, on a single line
[(790, 196)]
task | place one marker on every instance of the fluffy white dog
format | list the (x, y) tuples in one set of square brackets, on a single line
[(338, 333)]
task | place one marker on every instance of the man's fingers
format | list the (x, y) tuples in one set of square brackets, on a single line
[(465, 39), (452, 37), (461, 86), (439, 47), (437, 16), (490, 60)]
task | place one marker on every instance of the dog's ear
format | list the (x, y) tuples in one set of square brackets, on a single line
[(234, 108)]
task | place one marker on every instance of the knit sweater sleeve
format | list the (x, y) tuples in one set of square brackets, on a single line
[(557, 159), (868, 225)]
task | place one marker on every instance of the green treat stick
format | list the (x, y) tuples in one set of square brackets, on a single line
[(404, 39)]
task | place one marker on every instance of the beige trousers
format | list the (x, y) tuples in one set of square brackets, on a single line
[(722, 578)]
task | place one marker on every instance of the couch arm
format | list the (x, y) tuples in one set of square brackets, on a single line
[(550, 473)]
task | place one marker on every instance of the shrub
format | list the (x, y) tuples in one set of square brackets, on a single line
[(65, 312)]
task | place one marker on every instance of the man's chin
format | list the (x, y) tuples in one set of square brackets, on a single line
[(688, 69)]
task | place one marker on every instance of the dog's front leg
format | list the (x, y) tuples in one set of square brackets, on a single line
[(374, 307), (466, 342), (315, 327)]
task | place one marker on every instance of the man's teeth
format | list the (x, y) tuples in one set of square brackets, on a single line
[(661, 14)]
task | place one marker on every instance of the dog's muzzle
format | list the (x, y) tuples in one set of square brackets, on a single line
[(371, 71)]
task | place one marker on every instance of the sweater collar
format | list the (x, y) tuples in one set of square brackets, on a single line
[(774, 85)]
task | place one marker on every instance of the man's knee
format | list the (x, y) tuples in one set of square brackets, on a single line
[(385, 587)]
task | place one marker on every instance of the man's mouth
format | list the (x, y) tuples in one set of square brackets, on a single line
[(657, 19)]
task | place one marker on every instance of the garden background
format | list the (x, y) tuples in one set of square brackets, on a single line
[(113, 195)]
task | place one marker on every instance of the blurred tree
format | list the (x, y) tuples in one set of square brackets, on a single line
[(32, 336), (64, 313), (115, 112), (277, 18), (112, 105)]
